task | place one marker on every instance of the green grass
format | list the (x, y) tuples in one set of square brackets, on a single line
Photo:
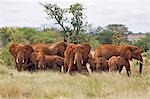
[(55, 85)]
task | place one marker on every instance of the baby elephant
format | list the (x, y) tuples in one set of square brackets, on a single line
[(38, 59), (54, 62), (101, 64), (116, 63), (42, 61)]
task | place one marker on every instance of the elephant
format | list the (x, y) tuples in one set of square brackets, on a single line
[(101, 64), (127, 52), (116, 63), (54, 62), (43, 48), (57, 48), (38, 59), (43, 61), (91, 62), (21, 53), (76, 56)]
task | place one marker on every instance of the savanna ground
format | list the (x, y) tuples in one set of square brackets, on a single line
[(55, 85)]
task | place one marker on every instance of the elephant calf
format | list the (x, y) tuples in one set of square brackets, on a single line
[(101, 64), (116, 63), (38, 59), (42, 61), (54, 62)]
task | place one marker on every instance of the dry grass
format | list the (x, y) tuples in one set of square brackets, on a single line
[(54, 85)]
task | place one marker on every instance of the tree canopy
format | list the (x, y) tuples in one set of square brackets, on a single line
[(71, 19)]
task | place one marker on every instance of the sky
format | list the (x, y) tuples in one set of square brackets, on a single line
[(135, 14)]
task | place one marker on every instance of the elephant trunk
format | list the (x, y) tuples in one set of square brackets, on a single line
[(78, 61), (140, 59), (141, 65)]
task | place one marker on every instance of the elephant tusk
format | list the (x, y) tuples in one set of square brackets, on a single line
[(17, 61), (62, 68), (88, 67), (81, 61), (38, 66), (141, 62), (23, 61), (74, 62)]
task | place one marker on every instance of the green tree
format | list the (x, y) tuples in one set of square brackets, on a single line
[(119, 33), (69, 19), (144, 43), (6, 35), (105, 37)]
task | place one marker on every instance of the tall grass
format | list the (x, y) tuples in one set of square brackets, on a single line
[(55, 85)]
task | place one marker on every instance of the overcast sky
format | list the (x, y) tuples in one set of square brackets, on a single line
[(135, 14)]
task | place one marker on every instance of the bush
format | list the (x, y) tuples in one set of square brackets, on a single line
[(144, 43), (148, 54), (6, 57), (45, 37)]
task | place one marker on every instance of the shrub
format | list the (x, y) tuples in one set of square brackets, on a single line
[(6, 57)]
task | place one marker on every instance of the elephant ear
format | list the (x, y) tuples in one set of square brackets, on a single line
[(59, 60), (70, 46), (86, 49), (28, 49), (13, 49), (126, 53), (62, 44), (135, 49)]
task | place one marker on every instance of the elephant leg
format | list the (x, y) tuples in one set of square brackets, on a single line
[(54, 66), (128, 71), (79, 68), (120, 69), (85, 66), (65, 66), (69, 66), (127, 66), (25, 66), (36, 66)]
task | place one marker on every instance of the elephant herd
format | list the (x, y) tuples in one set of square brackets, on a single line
[(68, 57)]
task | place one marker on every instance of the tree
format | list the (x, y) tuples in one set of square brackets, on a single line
[(105, 37), (144, 43), (119, 33), (6, 35), (69, 19)]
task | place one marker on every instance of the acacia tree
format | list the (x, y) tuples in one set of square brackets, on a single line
[(69, 19)]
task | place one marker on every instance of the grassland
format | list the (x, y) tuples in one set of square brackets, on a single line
[(55, 85)]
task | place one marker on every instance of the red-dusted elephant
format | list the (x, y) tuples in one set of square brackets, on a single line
[(101, 64), (38, 59), (42, 61), (76, 56), (54, 62), (116, 63), (128, 52), (21, 53), (57, 48), (91, 62)]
